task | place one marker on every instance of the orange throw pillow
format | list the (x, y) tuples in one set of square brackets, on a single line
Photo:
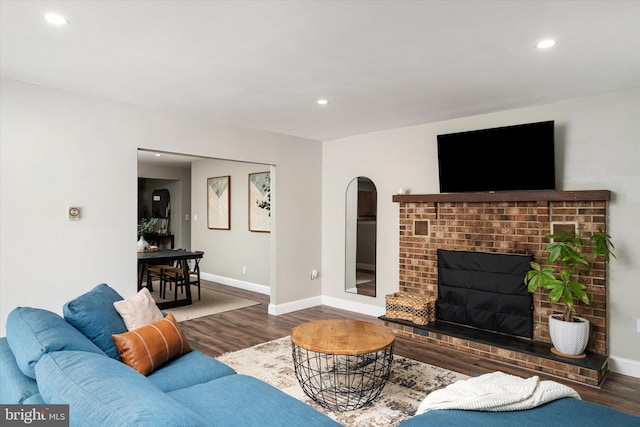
[(148, 348)]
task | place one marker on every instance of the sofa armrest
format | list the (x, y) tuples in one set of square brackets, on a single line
[(33, 332), (15, 387)]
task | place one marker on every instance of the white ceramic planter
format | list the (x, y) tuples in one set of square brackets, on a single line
[(569, 338), (142, 244)]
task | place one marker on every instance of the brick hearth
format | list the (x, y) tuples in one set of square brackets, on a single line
[(511, 222)]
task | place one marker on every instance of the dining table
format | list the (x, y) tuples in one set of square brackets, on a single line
[(168, 256)]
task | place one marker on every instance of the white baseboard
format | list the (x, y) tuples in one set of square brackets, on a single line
[(624, 366), (265, 290), (274, 309), (368, 309), (288, 307), (248, 286)]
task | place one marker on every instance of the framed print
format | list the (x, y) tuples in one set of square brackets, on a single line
[(260, 202), (219, 203)]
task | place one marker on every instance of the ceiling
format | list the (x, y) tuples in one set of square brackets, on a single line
[(381, 64), (166, 159)]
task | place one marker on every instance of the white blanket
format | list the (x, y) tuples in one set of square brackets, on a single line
[(496, 391)]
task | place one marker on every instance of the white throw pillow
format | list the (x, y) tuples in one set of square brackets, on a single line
[(139, 310)]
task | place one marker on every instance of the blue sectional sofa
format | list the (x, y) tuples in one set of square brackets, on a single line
[(566, 412), (49, 359)]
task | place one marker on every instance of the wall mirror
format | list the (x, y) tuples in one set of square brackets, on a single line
[(360, 234)]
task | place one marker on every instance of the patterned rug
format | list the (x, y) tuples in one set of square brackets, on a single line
[(409, 383)]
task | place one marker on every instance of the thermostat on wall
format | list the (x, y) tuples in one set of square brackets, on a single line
[(73, 213)]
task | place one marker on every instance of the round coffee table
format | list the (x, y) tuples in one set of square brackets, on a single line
[(342, 364)]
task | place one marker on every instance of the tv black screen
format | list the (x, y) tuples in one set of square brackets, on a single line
[(510, 158)]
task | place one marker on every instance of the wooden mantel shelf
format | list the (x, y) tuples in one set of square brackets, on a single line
[(506, 196)]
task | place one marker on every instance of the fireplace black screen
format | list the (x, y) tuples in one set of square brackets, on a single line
[(485, 290)]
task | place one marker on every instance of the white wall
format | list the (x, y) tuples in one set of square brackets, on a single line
[(228, 251), (59, 148), (597, 147)]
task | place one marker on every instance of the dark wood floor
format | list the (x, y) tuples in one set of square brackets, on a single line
[(238, 329)]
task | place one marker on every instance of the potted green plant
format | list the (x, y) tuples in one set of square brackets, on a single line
[(569, 259), (145, 226)]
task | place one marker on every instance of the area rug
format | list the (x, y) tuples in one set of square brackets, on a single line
[(211, 302), (409, 383)]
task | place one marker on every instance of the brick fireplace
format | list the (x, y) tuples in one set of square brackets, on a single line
[(510, 223)]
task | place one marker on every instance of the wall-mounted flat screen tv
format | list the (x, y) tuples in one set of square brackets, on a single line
[(498, 159)]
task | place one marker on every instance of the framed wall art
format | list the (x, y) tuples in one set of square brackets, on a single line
[(219, 203), (260, 202)]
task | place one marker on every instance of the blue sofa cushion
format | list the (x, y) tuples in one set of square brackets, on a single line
[(200, 367), (567, 412), (32, 332), (36, 399), (101, 391), (245, 401), (15, 387), (94, 315)]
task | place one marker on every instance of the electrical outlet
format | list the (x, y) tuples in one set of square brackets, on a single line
[(314, 274), (244, 269), (186, 217)]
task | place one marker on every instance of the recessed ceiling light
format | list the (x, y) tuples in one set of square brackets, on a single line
[(55, 18), (157, 154), (546, 44), (322, 102)]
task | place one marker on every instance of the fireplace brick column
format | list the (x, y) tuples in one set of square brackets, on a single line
[(512, 223)]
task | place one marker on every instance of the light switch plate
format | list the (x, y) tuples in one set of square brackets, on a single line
[(73, 213)]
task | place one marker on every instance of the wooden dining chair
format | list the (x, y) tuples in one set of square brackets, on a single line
[(156, 272), (172, 275), (194, 274), (175, 275)]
